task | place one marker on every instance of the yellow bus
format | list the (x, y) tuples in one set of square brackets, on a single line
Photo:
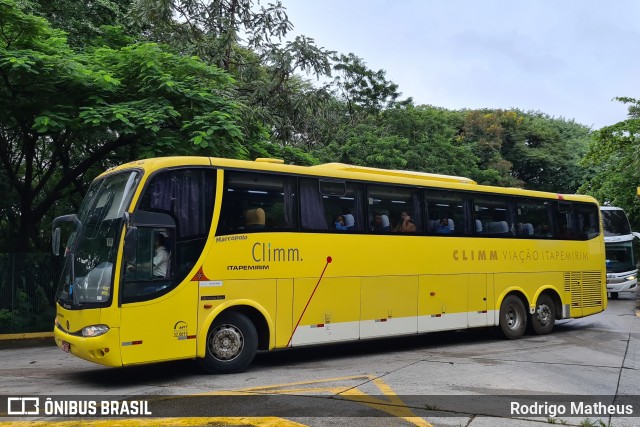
[(214, 259)]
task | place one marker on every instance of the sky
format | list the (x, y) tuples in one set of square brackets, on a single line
[(564, 58)]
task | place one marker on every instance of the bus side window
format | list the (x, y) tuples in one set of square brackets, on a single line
[(255, 202), (565, 223), (187, 195), (445, 213), (532, 219), (394, 209), (587, 221), (494, 214)]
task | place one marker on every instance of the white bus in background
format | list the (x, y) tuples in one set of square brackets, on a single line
[(622, 272)]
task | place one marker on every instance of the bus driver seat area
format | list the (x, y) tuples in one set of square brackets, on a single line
[(254, 219)]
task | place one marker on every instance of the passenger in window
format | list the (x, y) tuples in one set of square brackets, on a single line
[(443, 226), (340, 223), (161, 257), (544, 230), (386, 226), (406, 224), (349, 221), (376, 224), (254, 219)]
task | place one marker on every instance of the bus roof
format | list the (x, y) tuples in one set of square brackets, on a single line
[(345, 171), (394, 173)]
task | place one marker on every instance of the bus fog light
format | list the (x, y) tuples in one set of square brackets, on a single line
[(94, 330)]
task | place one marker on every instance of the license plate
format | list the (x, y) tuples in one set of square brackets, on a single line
[(66, 347)]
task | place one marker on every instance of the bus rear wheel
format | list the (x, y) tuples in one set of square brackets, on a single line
[(513, 317), (232, 343), (543, 320)]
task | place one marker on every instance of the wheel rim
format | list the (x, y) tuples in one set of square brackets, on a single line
[(544, 315), (226, 343), (512, 317)]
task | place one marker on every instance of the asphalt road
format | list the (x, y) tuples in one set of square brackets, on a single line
[(466, 378)]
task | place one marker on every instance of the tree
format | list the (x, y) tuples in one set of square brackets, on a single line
[(64, 112), (81, 19), (530, 150), (245, 39), (212, 29), (484, 132), (363, 90), (614, 159)]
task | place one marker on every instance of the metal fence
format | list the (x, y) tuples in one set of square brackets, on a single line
[(27, 290)]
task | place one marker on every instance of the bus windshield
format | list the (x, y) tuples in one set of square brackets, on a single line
[(620, 257), (91, 249), (615, 223)]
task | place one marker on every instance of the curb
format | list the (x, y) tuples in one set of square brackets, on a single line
[(37, 339), (30, 335)]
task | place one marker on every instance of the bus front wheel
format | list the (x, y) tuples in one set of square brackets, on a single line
[(232, 343), (513, 317), (543, 320)]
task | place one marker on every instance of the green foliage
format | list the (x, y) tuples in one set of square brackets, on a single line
[(81, 20), (65, 112), (615, 164), (363, 90), (530, 149), (245, 38)]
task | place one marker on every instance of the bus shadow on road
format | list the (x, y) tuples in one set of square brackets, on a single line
[(330, 353), (139, 375), (176, 370)]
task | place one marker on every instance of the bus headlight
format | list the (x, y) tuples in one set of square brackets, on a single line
[(631, 278), (94, 330)]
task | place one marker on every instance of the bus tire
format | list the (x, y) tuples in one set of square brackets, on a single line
[(543, 320), (513, 317), (614, 295), (232, 343)]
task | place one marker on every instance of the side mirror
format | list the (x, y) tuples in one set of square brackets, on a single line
[(55, 241), (130, 242), (55, 230)]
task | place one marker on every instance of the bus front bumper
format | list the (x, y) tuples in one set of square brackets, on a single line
[(623, 286), (103, 349)]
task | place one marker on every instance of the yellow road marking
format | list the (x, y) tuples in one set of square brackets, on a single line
[(391, 404), (161, 422)]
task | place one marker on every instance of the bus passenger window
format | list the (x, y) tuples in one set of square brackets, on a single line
[(588, 221), (445, 212), (331, 205), (565, 224), (533, 219), (394, 209), (494, 215), (254, 202)]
